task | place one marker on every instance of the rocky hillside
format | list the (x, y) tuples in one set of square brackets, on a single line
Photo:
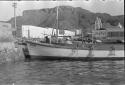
[(69, 18)]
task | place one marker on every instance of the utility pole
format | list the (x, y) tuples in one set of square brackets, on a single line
[(15, 28)]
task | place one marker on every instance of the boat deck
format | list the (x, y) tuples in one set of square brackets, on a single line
[(80, 46)]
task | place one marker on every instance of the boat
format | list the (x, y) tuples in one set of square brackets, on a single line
[(68, 51), (51, 51)]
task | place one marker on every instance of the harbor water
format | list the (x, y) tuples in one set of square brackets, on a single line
[(62, 72)]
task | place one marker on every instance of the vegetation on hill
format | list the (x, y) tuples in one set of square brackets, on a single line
[(69, 18)]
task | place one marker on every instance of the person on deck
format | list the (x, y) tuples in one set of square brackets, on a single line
[(112, 50), (68, 41), (47, 39)]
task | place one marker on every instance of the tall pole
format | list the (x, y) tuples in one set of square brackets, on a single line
[(57, 26), (15, 6)]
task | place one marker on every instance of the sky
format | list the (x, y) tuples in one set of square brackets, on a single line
[(112, 7)]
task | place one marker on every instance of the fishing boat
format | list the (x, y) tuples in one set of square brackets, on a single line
[(68, 51), (58, 51)]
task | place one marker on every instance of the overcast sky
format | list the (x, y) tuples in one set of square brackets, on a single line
[(113, 7)]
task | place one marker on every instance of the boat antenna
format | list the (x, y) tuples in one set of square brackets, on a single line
[(15, 6), (28, 33)]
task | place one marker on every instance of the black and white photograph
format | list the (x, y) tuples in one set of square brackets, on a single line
[(62, 42)]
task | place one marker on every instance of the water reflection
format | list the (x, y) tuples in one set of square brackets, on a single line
[(63, 73)]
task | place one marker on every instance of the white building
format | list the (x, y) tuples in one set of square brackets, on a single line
[(41, 32), (78, 31), (119, 25), (98, 24)]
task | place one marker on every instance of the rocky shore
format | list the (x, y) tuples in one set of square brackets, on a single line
[(10, 53)]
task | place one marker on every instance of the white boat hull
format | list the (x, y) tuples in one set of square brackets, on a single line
[(48, 51)]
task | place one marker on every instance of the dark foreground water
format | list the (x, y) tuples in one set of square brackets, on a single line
[(38, 72)]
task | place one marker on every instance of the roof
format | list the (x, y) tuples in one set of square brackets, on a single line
[(108, 27), (112, 28), (115, 29)]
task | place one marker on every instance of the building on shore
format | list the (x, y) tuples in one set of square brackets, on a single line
[(107, 32), (29, 31), (100, 34), (115, 33)]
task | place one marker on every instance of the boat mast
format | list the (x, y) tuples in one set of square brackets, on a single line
[(15, 6), (57, 26)]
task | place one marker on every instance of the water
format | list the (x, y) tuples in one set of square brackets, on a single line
[(37, 72)]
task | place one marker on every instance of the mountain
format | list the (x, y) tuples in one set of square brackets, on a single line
[(69, 18)]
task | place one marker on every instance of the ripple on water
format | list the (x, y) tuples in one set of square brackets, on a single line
[(63, 73)]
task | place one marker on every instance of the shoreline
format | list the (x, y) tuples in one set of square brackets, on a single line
[(9, 53)]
